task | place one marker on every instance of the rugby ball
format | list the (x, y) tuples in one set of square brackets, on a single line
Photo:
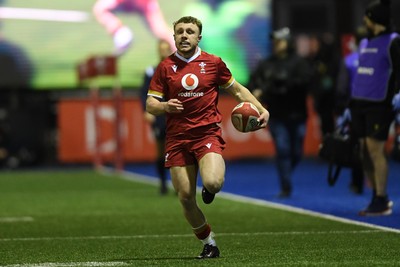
[(244, 117)]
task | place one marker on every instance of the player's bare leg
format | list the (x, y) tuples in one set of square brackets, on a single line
[(157, 24), (212, 171), (122, 35), (102, 12), (184, 181)]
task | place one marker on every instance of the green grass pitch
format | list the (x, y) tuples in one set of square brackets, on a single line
[(83, 218)]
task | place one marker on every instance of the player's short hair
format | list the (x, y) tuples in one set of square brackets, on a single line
[(190, 19)]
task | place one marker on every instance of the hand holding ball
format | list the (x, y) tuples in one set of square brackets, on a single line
[(244, 117)]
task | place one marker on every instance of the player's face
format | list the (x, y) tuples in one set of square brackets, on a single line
[(187, 38)]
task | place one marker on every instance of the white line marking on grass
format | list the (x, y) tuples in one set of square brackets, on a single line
[(43, 14), (16, 219), (130, 176), (304, 211), (70, 264), (167, 236)]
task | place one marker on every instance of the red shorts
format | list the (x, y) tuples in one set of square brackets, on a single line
[(188, 151)]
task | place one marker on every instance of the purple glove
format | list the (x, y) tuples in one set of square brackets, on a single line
[(397, 118), (343, 119), (396, 102)]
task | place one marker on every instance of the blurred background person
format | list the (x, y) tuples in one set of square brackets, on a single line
[(158, 123), (324, 58), (122, 34), (347, 72), (281, 82), (16, 72), (16, 68), (374, 92), (4, 154)]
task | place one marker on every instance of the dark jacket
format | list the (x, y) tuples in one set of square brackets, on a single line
[(284, 83), (159, 124)]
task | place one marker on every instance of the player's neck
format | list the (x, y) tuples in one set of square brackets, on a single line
[(188, 54)]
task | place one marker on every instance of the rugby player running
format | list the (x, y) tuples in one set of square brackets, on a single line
[(185, 86)]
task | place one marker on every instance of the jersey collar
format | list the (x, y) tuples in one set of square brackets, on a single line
[(187, 60)]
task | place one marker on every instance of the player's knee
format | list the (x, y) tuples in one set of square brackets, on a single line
[(215, 185)]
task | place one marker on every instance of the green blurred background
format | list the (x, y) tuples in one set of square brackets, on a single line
[(231, 30)]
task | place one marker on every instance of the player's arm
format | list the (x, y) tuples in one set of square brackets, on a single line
[(156, 107), (242, 94)]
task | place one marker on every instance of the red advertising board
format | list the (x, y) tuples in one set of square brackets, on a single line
[(77, 134)]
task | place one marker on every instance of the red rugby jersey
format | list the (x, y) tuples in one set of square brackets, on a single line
[(195, 82)]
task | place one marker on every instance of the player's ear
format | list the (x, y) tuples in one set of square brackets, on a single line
[(199, 38)]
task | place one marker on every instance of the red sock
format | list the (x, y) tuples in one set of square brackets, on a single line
[(204, 232)]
